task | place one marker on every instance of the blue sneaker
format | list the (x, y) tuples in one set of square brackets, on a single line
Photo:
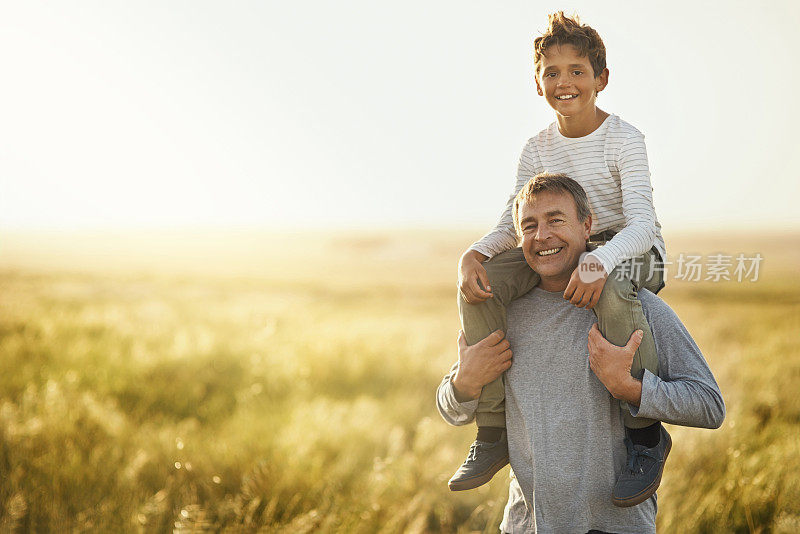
[(483, 461), (641, 475)]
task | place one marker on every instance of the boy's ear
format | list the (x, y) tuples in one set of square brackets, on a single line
[(538, 87), (601, 81)]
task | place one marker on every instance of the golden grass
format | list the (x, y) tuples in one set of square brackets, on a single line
[(257, 382)]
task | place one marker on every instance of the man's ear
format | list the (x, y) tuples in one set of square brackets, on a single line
[(601, 81), (587, 227)]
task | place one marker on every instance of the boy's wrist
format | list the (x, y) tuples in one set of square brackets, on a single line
[(474, 254), (598, 259)]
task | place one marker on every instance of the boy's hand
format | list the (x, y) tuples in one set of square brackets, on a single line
[(480, 364), (470, 271), (586, 283)]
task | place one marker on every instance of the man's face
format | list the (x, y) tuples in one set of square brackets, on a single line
[(552, 236), (567, 81)]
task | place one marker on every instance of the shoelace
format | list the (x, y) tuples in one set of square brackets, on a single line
[(473, 450), (635, 457)]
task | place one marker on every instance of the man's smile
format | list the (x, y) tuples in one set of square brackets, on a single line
[(549, 252)]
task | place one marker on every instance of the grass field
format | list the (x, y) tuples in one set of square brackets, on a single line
[(254, 382)]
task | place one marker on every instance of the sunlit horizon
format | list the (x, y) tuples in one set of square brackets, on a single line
[(361, 116)]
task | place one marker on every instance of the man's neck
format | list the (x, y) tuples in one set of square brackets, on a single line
[(555, 283), (583, 124)]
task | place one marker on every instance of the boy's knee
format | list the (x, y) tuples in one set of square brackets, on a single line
[(617, 288), (494, 271), (510, 275), (510, 260)]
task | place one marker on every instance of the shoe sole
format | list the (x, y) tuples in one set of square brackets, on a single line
[(646, 493), (478, 480)]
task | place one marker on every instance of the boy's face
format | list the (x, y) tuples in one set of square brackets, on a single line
[(567, 81), (550, 225)]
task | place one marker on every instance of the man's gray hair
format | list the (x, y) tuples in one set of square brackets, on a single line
[(558, 182)]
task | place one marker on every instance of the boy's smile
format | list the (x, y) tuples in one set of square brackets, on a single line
[(568, 83)]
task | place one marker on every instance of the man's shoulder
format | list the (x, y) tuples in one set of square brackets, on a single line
[(655, 309)]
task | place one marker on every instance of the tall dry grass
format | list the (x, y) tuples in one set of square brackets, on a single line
[(261, 383)]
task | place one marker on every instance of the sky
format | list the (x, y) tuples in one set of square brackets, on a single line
[(325, 115)]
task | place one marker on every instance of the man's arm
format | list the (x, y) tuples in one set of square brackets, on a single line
[(454, 411), (684, 392), (478, 364)]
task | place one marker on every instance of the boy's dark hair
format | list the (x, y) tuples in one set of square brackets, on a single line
[(569, 30), (559, 183)]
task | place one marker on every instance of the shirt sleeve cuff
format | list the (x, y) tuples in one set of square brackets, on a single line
[(460, 412), (603, 256), (649, 386), (483, 250)]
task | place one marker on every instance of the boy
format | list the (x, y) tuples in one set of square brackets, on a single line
[(607, 157)]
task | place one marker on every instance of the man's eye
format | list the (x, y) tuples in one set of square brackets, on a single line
[(557, 220), (528, 228)]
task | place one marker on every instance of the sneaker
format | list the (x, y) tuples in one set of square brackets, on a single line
[(642, 474), (483, 461)]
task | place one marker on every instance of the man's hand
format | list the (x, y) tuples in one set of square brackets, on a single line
[(586, 283), (470, 271), (612, 365), (479, 364)]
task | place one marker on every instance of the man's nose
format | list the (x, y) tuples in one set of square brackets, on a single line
[(542, 233)]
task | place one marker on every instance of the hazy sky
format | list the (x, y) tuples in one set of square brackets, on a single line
[(329, 114)]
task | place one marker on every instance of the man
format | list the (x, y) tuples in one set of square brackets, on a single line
[(565, 430)]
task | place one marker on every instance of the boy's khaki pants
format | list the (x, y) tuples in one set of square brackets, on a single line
[(619, 314)]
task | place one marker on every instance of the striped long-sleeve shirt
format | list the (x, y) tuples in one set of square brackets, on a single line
[(611, 165)]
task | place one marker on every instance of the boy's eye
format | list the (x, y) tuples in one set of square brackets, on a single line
[(577, 72)]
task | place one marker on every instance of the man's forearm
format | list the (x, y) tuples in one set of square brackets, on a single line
[(464, 392), (452, 410), (681, 401)]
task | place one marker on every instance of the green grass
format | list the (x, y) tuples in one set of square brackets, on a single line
[(295, 392)]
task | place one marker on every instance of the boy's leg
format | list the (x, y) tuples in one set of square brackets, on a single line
[(619, 314), (651, 275), (510, 277)]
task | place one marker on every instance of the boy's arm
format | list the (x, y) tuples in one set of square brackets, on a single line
[(503, 236), (639, 233)]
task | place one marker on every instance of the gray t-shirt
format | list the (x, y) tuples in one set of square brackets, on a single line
[(565, 431)]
